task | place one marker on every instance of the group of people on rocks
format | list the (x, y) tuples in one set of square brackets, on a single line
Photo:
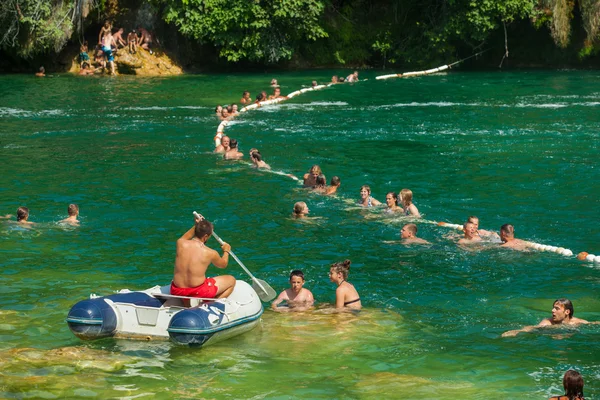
[(109, 43)]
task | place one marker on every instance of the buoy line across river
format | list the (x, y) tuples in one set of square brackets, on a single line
[(582, 256)]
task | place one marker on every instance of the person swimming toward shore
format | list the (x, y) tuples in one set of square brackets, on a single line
[(391, 200), (471, 235), (346, 296), (73, 211), (297, 297), (405, 197), (562, 314), (408, 234), (300, 210), (507, 236), (573, 385), (192, 261), (334, 185), (366, 200), (233, 153)]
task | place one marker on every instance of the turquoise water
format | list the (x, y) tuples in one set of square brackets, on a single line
[(135, 154)]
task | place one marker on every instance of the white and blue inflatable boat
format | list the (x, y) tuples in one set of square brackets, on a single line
[(155, 314)]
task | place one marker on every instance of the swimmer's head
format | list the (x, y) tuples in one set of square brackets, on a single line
[(562, 309), (408, 231), (391, 199), (365, 191), (22, 213), (225, 141), (42, 69), (405, 196), (203, 228), (573, 384), (256, 155), (342, 268), (273, 82), (335, 181), (470, 230), (334, 79), (297, 280), (259, 97), (315, 170), (73, 210), (314, 83), (246, 94), (225, 113), (277, 91), (218, 109), (230, 109), (507, 231), (234, 107), (321, 180), (300, 208), (474, 220), (233, 144)]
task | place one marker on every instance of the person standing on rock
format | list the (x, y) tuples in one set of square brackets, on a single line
[(132, 42), (108, 41)]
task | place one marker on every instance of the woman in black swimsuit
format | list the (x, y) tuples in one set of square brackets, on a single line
[(346, 295)]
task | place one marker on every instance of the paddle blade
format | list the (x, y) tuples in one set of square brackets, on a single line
[(264, 290)]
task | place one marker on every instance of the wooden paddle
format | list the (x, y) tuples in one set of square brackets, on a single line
[(262, 288)]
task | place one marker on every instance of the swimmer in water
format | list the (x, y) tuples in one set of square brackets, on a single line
[(471, 235), (480, 232), (300, 210), (366, 200), (310, 178), (257, 160), (23, 216), (333, 185), (320, 184), (7, 216), (224, 146), (573, 385), (408, 234), (233, 153), (277, 94), (246, 98), (562, 314), (297, 297), (405, 197), (507, 236), (391, 200), (73, 211), (346, 296)]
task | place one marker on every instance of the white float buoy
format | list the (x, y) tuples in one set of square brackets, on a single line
[(559, 250), (597, 259), (567, 253), (590, 257)]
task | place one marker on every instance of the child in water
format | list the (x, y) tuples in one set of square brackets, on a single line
[(297, 297)]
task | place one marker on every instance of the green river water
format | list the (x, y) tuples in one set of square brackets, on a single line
[(135, 154)]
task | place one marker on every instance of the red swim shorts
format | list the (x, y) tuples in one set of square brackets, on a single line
[(207, 289)]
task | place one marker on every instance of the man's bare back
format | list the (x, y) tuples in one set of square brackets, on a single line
[(193, 259)]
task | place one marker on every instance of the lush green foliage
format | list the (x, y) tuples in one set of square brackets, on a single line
[(257, 30), (34, 26)]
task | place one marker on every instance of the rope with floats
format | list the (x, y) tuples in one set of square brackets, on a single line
[(582, 256)]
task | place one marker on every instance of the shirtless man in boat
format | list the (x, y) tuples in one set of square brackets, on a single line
[(192, 261), (507, 235), (562, 314)]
